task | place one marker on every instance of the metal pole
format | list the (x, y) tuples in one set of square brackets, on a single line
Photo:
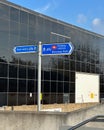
[(39, 78)]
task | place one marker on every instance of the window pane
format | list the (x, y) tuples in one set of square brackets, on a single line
[(23, 30), (32, 33), (14, 28), (32, 19), (3, 99), (53, 75), (14, 14), (12, 85), (66, 87), (66, 75), (31, 73), (12, 99), (4, 11), (60, 75), (53, 86), (23, 17), (22, 72), (30, 99), (72, 87), (46, 86), (46, 75), (60, 87), (3, 70), (3, 85), (13, 71), (22, 85), (31, 86), (21, 98)]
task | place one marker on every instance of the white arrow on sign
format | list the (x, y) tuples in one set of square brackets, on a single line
[(57, 49), (25, 49)]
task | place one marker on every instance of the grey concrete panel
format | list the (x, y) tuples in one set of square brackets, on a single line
[(13, 120)]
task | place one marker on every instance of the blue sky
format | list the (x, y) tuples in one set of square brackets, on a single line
[(87, 14)]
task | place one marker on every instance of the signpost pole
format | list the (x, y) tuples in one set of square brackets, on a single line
[(39, 77)]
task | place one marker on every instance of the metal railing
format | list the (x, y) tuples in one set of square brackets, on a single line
[(86, 121)]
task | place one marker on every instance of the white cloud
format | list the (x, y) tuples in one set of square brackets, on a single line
[(96, 22), (81, 18), (98, 25), (49, 6), (44, 8)]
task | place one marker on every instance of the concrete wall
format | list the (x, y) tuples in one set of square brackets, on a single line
[(30, 121), (74, 118), (12, 120)]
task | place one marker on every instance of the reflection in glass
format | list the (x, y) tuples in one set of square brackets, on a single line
[(13, 71), (31, 86), (23, 17), (3, 70), (13, 85), (22, 86), (12, 99), (21, 98), (3, 85), (14, 14), (19, 73), (22, 71), (4, 11)]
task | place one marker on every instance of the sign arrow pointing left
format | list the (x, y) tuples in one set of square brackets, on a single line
[(25, 49)]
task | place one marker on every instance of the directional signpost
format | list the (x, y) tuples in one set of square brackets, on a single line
[(50, 49), (43, 50), (25, 49), (57, 49)]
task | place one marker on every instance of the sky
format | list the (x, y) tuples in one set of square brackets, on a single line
[(87, 14)]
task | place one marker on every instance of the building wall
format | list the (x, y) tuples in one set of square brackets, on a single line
[(18, 73)]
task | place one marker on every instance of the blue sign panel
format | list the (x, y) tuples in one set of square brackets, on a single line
[(25, 49), (57, 49)]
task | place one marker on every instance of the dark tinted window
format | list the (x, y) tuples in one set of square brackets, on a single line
[(32, 19), (14, 14), (23, 30), (23, 17), (22, 71), (4, 11), (31, 73), (31, 86), (3, 85), (14, 28), (13, 71), (12, 85), (3, 70), (22, 86)]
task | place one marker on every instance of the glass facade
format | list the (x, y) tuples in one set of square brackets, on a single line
[(18, 73)]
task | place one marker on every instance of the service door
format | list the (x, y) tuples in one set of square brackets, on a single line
[(86, 88)]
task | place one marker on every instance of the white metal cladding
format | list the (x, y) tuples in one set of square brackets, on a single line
[(86, 88)]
